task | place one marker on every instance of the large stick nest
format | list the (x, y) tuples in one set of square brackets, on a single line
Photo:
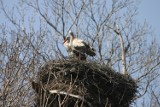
[(93, 84)]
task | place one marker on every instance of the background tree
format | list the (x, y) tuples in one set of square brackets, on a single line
[(32, 33)]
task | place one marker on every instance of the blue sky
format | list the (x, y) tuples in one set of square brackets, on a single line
[(149, 11)]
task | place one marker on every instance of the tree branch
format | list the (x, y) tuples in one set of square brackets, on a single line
[(47, 20)]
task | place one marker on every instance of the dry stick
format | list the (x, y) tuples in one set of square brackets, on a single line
[(69, 94)]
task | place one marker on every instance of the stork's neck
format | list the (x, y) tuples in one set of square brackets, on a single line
[(71, 39)]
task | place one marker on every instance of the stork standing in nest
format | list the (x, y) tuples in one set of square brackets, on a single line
[(77, 47)]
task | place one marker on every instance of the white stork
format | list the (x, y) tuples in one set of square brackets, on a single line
[(78, 47)]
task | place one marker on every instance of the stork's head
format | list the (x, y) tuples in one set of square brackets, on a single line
[(72, 35)]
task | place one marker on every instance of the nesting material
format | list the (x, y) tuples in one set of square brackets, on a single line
[(73, 83)]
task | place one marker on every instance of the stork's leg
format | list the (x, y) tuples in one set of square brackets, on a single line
[(76, 55), (79, 56)]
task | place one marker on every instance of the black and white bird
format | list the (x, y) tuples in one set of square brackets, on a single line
[(78, 47)]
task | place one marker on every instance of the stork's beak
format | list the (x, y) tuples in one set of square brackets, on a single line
[(65, 40)]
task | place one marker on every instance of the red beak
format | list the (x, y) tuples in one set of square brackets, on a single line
[(64, 40)]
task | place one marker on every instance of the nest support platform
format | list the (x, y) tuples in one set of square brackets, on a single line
[(73, 83)]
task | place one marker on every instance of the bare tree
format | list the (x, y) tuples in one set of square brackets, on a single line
[(32, 33)]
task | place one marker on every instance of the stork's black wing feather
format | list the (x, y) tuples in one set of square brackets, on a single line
[(89, 50)]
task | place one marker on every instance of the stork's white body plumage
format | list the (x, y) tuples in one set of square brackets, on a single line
[(78, 47), (77, 42)]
